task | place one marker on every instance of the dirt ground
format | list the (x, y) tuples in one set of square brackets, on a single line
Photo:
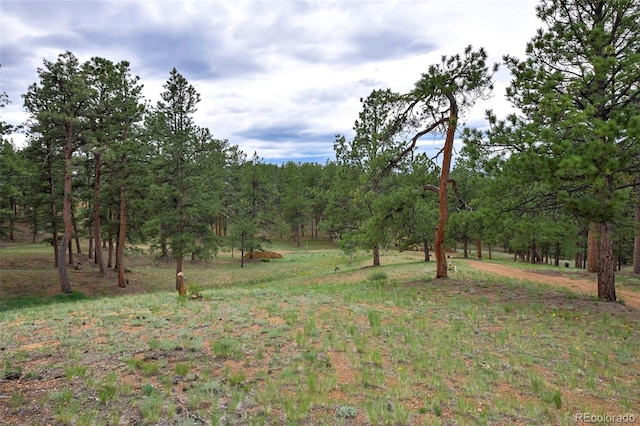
[(585, 286)]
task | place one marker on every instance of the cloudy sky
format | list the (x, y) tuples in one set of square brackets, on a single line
[(279, 77)]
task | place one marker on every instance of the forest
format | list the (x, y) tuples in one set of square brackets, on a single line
[(559, 179)]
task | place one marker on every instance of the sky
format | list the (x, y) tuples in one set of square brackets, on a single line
[(279, 77)]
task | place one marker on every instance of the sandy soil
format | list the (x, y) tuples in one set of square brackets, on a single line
[(586, 286)]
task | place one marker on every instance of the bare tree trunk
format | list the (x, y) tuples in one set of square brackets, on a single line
[(122, 235), (376, 255), (592, 248), (425, 245), (636, 237), (99, 259), (70, 248), (479, 249), (63, 275), (443, 194), (242, 249), (606, 263), (181, 287), (76, 233), (110, 258), (465, 247)]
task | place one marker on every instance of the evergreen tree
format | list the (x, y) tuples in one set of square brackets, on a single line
[(178, 145), (577, 132), (376, 143), (57, 105)]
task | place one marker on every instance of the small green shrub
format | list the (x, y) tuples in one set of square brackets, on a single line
[(346, 412), (377, 276)]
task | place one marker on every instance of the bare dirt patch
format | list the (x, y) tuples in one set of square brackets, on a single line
[(556, 279)]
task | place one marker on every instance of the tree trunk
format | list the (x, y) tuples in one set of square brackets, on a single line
[(376, 255), (76, 234), (465, 247), (636, 238), (242, 250), (178, 272), (490, 251), (63, 275), (110, 259), (122, 236), (425, 245), (606, 263), (443, 193), (181, 287), (70, 248), (35, 225), (592, 248), (99, 259), (535, 256), (556, 257), (578, 260), (479, 249)]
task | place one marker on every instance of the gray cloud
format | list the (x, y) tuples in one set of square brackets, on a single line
[(279, 75)]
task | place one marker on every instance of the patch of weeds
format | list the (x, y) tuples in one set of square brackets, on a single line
[(296, 410), (236, 378), (62, 397), (10, 371), (151, 408), (374, 317), (182, 369), (437, 409), (148, 389), (623, 355), (107, 389), (375, 356), (310, 328), (312, 381), (361, 342), (195, 291), (387, 413), (554, 397), (16, 401), (291, 318), (377, 276), (169, 345), (227, 347), (65, 413), (346, 412), (75, 370), (149, 368), (86, 419)]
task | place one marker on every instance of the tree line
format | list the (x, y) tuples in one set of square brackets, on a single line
[(558, 179)]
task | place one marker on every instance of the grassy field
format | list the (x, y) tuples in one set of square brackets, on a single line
[(295, 341)]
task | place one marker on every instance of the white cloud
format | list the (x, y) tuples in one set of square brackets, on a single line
[(299, 67)]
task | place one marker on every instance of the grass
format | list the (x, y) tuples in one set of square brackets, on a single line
[(296, 341)]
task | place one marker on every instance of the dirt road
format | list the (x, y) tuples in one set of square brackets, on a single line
[(585, 286)]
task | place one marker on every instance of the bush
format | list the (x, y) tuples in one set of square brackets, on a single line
[(377, 276)]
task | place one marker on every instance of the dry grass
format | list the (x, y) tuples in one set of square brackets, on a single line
[(294, 341)]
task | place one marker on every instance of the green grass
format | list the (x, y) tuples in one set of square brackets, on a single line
[(294, 341)]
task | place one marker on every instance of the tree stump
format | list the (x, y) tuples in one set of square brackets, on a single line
[(182, 288)]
